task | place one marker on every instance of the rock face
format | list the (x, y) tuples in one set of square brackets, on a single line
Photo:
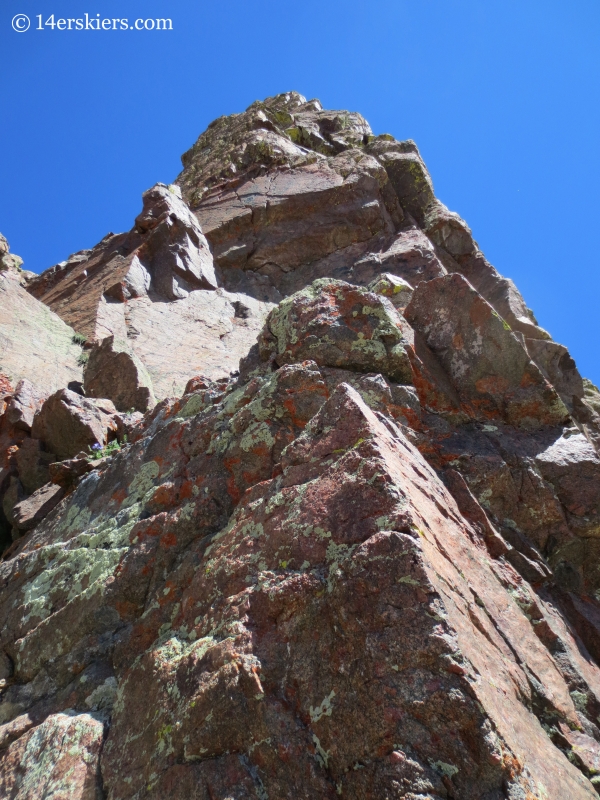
[(35, 343), (365, 565), (113, 371), (155, 288), (68, 423), (489, 366)]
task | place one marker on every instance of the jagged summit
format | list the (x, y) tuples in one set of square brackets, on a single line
[(318, 512)]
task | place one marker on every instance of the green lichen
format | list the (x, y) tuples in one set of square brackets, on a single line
[(324, 709), (449, 770), (580, 701)]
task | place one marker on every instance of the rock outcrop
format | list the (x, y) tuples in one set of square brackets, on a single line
[(35, 343), (365, 564), (113, 371), (155, 288)]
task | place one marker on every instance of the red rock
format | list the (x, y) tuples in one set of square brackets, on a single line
[(487, 363), (5, 385), (366, 565), (338, 325), (68, 423), (55, 759), (27, 513), (26, 400), (114, 372)]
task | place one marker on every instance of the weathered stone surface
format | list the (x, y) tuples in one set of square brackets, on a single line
[(395, 289), (558, 368), (407, 172), (459, 252), (165, 253), (487, 363), (67, 473), (8, 261), (145, 288), (57, 759), (23, 405), (206, 332), (113, 371), (364, 566), (338, 325), (175, 254), (355, 538), (271, 226), (27, 513), (35, 344), (6, 387), (32, 464), (68, 423)]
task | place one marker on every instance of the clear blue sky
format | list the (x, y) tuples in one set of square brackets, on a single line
[(501, 97)]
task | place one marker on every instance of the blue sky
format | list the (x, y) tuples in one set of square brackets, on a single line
[(501, 97)]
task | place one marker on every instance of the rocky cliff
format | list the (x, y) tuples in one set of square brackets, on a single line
[(309, 506)]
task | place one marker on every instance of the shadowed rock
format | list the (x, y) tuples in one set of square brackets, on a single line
[(487, 363), (113, 371), (68, 423), (24, 404), (27, 513)]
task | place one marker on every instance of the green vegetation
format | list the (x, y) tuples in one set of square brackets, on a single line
[(96, 451)]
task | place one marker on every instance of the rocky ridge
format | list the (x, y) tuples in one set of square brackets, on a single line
[(363, 564)]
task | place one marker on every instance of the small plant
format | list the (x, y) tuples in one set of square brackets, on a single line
[(82, 359), (112, 447), (78, 338), (97, 451)]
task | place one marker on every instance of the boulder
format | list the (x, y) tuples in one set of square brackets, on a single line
[(23, 405), (68, 423), (175, 253), (28, 512), (32, 464), (394, 288), (486, 361), (56, 758), (339, 325), (114, 372)]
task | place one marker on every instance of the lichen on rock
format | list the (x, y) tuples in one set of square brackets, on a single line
[(364, 565)]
